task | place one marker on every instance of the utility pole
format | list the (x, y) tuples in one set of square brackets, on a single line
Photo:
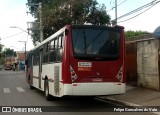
[(41, 27), (24, 47), (21, 41), (40, 18), (115, 12), (114, 22)]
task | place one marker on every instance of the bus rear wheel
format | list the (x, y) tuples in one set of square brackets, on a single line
[(47, 95), (31, 87)]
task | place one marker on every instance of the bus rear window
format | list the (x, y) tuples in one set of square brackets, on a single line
[(96, 42)]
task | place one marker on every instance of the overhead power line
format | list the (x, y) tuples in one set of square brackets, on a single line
[(117, 6), (154, 2), (136, 15), (12, 35)]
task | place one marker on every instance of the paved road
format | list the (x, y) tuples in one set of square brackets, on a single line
[(14, 91)]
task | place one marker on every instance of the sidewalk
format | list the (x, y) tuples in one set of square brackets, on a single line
[(136, 96)]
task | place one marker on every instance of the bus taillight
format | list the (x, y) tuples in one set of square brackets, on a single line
[(120, 75), (73, 74)]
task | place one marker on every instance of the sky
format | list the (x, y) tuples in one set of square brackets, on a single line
[(147, 21), (13, 13)]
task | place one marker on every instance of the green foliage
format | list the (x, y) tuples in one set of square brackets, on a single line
[(1, 56), (1, 60), (58, 13), (9, 52), (131, 34), (5, 53), (1, 47)]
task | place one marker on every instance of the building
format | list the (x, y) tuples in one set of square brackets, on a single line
[(20, 60)]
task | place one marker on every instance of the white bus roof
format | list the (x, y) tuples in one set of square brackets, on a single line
[(50, 38)]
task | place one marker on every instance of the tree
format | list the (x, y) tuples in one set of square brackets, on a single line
[(1, 47), (6, 53), (58, 13), (9, 52), (132, 34), (1, 54)]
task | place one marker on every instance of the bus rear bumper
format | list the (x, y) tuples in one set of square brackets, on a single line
[(94, 89)]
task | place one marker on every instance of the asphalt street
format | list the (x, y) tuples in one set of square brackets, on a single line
[(14, 91)]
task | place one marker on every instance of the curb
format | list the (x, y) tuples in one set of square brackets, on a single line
[(116, 102)]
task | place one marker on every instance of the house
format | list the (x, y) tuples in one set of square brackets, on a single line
[(20, 60)]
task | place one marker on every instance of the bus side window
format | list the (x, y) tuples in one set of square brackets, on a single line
[(56, 47), (36, 57), (45, 52), (52, 55), (60, 48)]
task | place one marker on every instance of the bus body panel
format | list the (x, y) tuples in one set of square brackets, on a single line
[(96, 77), (105, 71), (94, 89), (65, 58), (53, 72), (36, 76), (76, 76), (88, 70)]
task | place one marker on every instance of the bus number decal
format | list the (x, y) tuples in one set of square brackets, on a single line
[(84, 66)]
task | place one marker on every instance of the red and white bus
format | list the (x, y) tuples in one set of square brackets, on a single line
[(79, 60)]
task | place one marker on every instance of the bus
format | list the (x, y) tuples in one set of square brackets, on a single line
[(79, 60)]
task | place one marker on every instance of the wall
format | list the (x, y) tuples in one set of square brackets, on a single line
[(131, 63), (21, 56), (131, 58), (147, 63)]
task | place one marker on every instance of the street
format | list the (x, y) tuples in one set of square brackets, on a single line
[(14, 91)]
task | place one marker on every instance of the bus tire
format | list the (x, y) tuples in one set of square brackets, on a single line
[(46, 91), (29, 80), (31, 87)]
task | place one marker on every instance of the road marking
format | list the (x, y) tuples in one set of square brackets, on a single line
[(6, 90), (20, 89)]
